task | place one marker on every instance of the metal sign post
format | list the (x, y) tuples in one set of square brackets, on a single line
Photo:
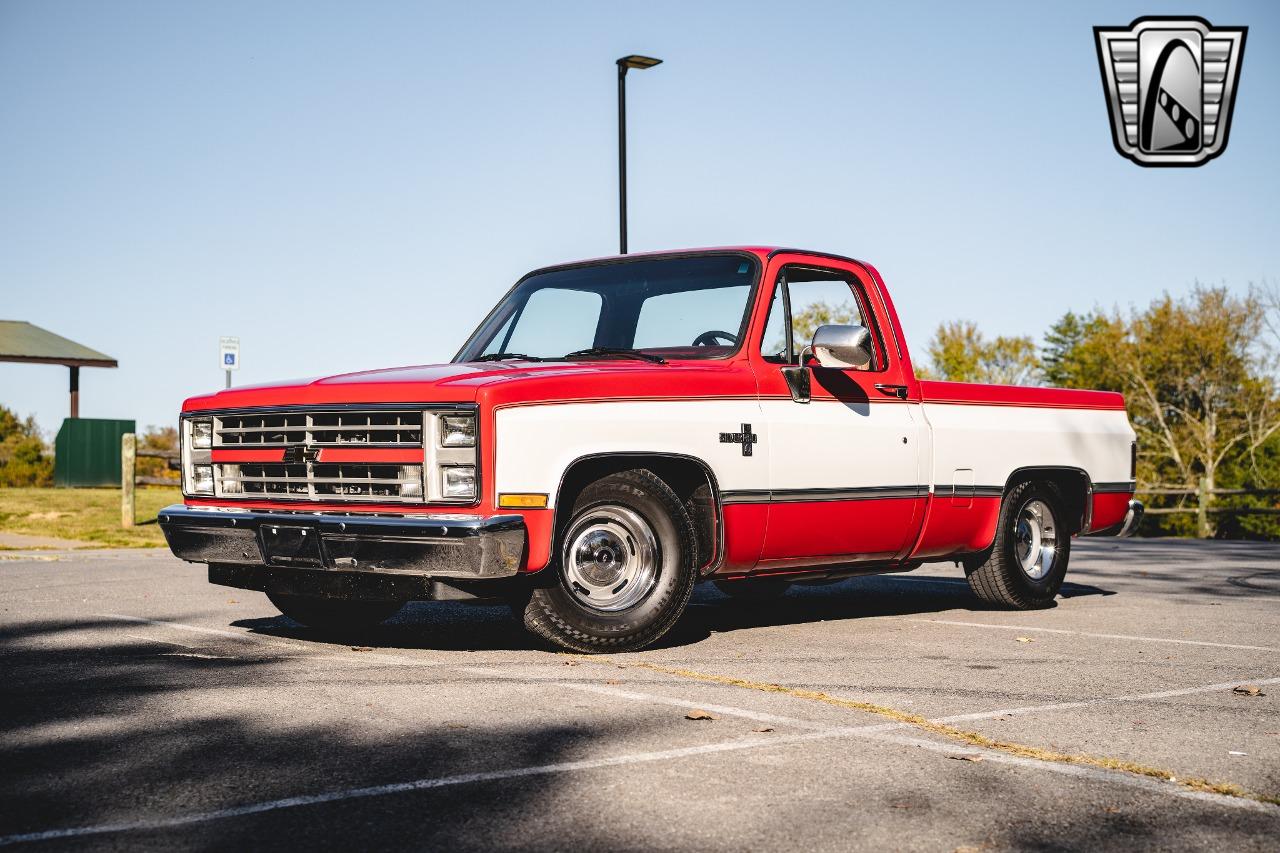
[(229, 355)]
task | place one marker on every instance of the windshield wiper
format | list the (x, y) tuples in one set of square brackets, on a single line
[(504, 356), (633, 353)]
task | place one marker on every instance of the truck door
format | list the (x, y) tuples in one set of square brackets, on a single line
[(845, 476)]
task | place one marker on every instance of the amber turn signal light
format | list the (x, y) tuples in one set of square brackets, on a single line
[(517, 501)]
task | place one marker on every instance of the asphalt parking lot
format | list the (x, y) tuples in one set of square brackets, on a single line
[(144, 708)]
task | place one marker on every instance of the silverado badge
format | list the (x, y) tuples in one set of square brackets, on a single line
[(746, 438)]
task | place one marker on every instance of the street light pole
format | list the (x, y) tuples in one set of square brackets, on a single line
[(625, 64)]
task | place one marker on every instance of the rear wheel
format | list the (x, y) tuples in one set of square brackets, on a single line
[(334, 613), (1028, 560), (626, 567)]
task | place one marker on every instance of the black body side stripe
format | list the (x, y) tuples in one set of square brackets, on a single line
[(798, 495), (1104, 488)]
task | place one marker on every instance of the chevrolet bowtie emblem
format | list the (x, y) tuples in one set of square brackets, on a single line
[(1170, 85), (296, 454)]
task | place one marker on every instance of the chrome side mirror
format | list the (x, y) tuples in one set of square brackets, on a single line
[(843, 347)]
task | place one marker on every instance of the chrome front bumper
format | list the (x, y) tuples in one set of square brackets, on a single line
[(455, 546), (1132, 519)]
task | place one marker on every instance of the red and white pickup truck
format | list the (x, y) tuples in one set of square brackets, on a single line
[(618, 430)]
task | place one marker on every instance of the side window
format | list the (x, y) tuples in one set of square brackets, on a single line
[(555, 321), (817, 298)]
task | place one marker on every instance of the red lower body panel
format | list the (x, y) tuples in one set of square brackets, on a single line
[(847, 531), (744, 529), (952, 529), (540, 526), (1109, 509)]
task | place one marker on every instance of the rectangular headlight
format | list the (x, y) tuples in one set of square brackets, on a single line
[(202, 435), (458, 481), (457, 431), (202, 479)]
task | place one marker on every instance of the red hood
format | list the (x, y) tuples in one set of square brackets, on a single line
[(494, 383)]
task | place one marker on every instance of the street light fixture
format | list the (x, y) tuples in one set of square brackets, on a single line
[(640, 63)]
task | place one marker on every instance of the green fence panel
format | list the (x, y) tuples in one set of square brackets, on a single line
[(88, 452)]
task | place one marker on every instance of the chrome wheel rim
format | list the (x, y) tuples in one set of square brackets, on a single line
[(1035, 539), (610, 559)]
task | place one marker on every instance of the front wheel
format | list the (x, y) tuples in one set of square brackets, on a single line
[(334, 614), (625, 570), (1028, 560)]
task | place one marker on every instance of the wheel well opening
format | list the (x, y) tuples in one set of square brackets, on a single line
[(1071, 483), (690, 479)]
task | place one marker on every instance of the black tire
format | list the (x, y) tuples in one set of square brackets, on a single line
[(334, 614), (754, 590), (565, 617), (998, 577)]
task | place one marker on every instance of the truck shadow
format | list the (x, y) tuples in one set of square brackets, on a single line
[(855, 598), (453, 626)]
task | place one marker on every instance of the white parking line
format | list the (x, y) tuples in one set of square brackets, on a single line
[(1127, 779), (689, 704), (415, 785), (878, 732), (1084, 703), (1099, 636)]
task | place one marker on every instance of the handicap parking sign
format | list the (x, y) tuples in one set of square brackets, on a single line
[(229, 350)]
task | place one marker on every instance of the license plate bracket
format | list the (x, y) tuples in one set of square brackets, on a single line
[(290, 545)]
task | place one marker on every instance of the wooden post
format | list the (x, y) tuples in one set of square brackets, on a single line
[(75, 390), (128, 455), (1202, 509)]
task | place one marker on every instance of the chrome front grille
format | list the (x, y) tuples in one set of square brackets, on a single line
[(322, 429), (282, 455), (349, 481)]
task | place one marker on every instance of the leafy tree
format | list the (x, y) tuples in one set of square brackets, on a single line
[(804, 323), (1198, 381), (959, 352), (24, 460)]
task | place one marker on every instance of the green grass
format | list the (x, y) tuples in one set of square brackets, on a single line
[(87, 515)]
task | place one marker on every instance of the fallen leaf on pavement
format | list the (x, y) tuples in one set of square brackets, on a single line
[(965, 757), (455, 725), (1111, 809), (1248, 690), (763, 729), (698, 714), (1024, 640), (362, 648)]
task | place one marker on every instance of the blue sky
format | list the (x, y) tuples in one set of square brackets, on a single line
[(351, 186)]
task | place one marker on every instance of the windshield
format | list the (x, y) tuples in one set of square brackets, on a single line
[(693, 307)]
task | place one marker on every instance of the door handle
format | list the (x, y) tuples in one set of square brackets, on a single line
[(899, 391)]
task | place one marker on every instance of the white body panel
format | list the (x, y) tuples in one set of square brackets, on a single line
[(536, 444), (828, 444), (993, 441), (822, 445)]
